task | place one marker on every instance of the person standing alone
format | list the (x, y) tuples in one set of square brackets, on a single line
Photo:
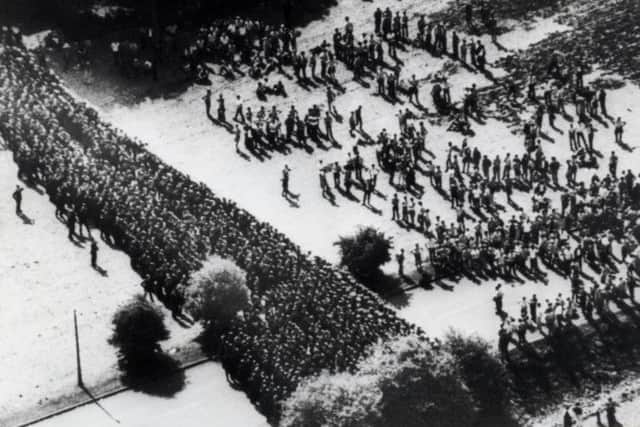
[(207, 102), (94, 254), (17, 196), (285, 181)]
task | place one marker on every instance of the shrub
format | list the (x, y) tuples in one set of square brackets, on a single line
[(402, 382), (364, 254), (342, 399), (138, 327), (217, 292), (485, 375)]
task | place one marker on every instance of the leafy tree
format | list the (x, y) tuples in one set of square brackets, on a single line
[(485, 375), (341, 399), (138, 327), (217, 293), (364, 254), (402, 382)]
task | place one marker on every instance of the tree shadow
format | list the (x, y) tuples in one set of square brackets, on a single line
[(383, 284), (399, 299), (209, 342), (156, 374)]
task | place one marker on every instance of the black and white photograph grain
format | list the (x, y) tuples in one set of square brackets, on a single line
[(319, 213)]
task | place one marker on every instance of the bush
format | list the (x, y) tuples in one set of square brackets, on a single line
[(402, 382), (364, 254), (217, 292), (342, 399), (138, 328), (485, 375)]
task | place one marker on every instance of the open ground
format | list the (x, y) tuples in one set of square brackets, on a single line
[(45, 277)]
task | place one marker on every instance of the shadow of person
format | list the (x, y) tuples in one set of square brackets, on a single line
[(599, 119), (243, 155), (101, 271), (373, 209), (625, 146), (331, 198), (292, 200), (514, 205), (155, 373), (25, 219), (348, 194), (444, 286), (500, 46), (182, 320)]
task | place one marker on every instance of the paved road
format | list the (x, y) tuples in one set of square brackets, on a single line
[(206, 400)]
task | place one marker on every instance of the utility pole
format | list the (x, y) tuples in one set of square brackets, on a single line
[(78, 366)]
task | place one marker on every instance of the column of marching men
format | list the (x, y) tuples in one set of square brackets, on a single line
[(102, 181)]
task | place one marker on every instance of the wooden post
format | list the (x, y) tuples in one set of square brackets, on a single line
[(78, 366)]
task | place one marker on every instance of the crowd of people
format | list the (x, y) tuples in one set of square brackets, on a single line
[(261, 131), (306, 315), (168, 224), (489, 245), (482, 244), (241, 45)]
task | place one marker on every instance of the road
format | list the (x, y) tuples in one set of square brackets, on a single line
[(206, 399)]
